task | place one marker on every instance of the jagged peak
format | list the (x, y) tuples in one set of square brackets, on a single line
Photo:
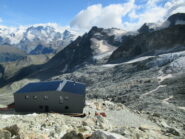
[(176, 19)]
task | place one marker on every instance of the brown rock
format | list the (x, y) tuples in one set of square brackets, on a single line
[(14, 130), (173, 131), (4, 134), (105, 135), (73, 135)]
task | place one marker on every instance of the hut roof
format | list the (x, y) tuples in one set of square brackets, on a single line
[(62, 86)]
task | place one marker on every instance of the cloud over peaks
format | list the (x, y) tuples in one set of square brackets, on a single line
[(129, 15), (97, 15)]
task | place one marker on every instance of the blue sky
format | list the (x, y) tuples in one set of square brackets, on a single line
[(24, 12), (84, 14)]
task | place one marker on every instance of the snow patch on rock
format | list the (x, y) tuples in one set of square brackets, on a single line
[(138, 59), (101, 48), (180, 22)]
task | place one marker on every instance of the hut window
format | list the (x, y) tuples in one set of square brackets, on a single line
[(34, 97), (26, 97), (61, 100), (46, 97), (66, 98)]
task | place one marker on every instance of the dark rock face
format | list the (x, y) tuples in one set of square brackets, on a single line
[(73, 135), (75, 54), (40, 49), (1, 73), (1, 69), (145, 29), (78, 52), (175, 18), (154, 43)]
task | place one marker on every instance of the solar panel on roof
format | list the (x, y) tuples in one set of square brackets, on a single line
[(69, 86), (40, 86), (74, 87)]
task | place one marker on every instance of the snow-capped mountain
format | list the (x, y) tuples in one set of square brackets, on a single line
[(28, 38), (175, 19)]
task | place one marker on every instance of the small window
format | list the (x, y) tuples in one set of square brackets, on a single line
[(46, 97), (26, 97), (66, 98), (61, 100), (66, 107), (34, 97)]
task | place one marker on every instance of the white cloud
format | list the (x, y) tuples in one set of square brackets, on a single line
[(128, 16), (152, 13), (108, 16), (175, 6)]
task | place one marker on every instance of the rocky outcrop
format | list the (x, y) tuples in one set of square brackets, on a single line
[(1, 72), (73, 135), (145, 28), (154, 43), (105, 135), (175, 19), (78, 52), (4, 134)]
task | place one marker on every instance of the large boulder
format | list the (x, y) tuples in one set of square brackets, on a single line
[(4, 134), (73, 135), (14, 130), (105, 135)]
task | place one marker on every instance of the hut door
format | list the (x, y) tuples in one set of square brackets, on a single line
[(46, 108)]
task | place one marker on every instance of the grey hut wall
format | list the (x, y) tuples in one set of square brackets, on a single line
[(74, 104)]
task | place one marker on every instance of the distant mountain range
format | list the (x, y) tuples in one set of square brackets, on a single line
[(100, 46), (37, 39), (151, 38)]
